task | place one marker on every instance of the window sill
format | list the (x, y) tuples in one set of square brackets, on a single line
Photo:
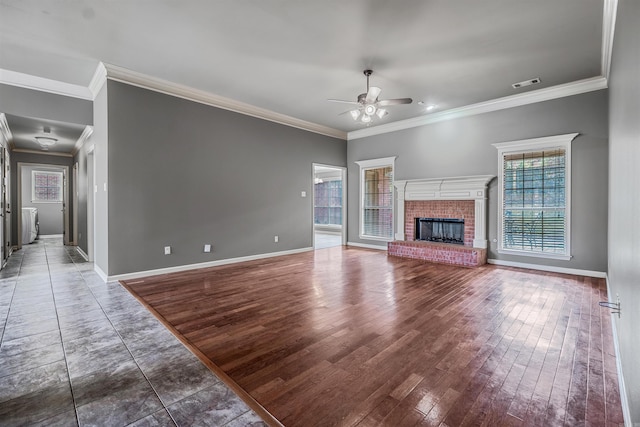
[(377, 239), (562, 257)]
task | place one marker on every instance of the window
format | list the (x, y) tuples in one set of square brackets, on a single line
[(328, 203), (534, 197), (376, 199), (46, 187)]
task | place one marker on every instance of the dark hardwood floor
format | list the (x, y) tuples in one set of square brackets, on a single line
[(353, 337)]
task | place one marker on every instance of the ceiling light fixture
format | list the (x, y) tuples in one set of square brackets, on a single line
[(46, 141), (368, 106)]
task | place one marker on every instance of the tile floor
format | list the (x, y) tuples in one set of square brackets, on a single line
[(326, 240), (77, 351)]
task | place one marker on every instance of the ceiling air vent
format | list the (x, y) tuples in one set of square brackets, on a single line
[(526, 83)]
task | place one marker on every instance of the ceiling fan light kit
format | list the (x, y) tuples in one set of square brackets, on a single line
[(368, 104)]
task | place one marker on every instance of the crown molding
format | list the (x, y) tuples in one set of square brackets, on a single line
[(44, 153), (608, 30), (531, 97), (98, 80), (5, 131), (27, 81), (86, 133), (144, 81)]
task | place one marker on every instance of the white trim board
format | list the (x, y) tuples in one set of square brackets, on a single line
[(27, 81), (552, 269), (82, 253), (608, 30), (44, 153), (5, 132), (626, 411), (367, 246), (101, 273), (187, 267), (144, 81), (532, 97)]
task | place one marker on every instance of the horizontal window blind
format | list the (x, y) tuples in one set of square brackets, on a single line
[(534, 201), (377, 220)]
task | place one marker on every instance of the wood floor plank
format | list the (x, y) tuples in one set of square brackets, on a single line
[(347, 337)]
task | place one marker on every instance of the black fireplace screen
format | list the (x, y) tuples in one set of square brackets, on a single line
[(445, 230)]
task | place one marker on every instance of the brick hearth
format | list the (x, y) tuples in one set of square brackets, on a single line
[(456, 197), (439, 252)]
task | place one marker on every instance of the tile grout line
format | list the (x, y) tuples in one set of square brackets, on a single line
[(13, 293), (164, 406), (64, 352)]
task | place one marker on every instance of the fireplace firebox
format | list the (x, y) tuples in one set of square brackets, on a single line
[(444, 230)]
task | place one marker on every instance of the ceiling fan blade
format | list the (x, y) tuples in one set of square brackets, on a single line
[(372, 94), (343, 101), (398, 101)]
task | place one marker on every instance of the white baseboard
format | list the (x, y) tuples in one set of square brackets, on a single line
[(50, 236), (364, 245), (626, 411), (180, 268), (101, 273), (575, 271), (82, 254)]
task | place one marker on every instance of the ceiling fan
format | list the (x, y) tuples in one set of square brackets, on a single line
[(368, 104)]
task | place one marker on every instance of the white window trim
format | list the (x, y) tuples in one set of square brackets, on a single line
[(375, 164), (33, 186), (529, 145)]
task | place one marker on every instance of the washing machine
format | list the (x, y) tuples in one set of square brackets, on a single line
[(29, 225)]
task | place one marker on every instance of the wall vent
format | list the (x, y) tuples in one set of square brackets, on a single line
[(526, 83)]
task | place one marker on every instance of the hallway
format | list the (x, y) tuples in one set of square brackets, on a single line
[(77, 351)]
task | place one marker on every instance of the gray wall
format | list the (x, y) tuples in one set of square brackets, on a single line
[(32, 103), (50, 215), (184, 174), (463, 147), (624, 194), (41, 159)]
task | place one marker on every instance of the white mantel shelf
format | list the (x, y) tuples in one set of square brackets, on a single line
[(453, 188)]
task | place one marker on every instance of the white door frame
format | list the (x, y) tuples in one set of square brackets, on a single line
[(344, 201), (65, 197), (74, 196), (91, 199)]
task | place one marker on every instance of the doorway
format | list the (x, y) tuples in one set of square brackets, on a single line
[(42, 202), (329, 206)]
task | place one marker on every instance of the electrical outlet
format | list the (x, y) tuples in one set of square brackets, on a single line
[(167, 250), (275, 239), (303, 194), (207, 248)]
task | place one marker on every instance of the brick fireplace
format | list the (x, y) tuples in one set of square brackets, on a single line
[(456, 198)]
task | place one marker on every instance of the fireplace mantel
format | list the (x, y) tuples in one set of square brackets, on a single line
[(454, 188)]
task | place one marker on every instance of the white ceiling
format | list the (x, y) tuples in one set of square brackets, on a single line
[(290, 56)]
